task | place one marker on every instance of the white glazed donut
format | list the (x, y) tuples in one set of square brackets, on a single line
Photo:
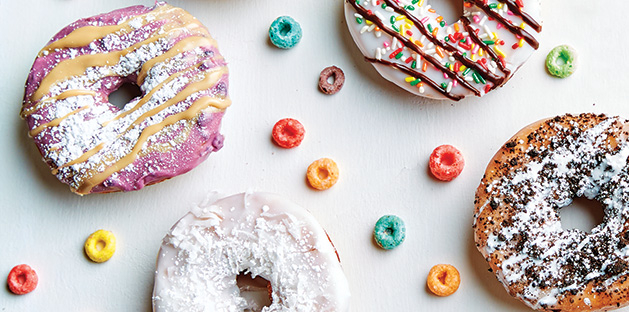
[(261, 234), (518, 228), (412, 46)]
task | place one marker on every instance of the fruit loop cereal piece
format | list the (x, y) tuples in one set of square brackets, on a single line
[(288, 133), (446, 162), (323, 173), (22, 279), (100, 246), (338, 79), (443, 280), (285, 32), (389, 232), (561, 61)]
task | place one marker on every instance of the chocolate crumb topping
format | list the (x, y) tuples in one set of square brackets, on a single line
[(526, 185)]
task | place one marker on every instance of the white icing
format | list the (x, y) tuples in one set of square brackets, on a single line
[(371, 43), (262, 234)]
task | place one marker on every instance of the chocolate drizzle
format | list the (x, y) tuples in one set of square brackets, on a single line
[(512, 28), (415, 73), (452, 50), (455, 52), (486, 48), (513, 7), (374, 19)]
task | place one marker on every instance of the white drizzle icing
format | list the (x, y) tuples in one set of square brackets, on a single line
[(551, 262)]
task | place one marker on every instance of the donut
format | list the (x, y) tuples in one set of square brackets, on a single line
[(517, 226), (411, 45), (96, 147), (258, 234)]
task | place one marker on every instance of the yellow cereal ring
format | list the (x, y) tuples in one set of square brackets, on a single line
[(443, 280), (323, 173), (100, 246)]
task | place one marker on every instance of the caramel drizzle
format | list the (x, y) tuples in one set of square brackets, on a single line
[(185, 45), (82, 158), (77, 66), (448, 47), (374, 19), (62, 96), (188, 114), (149, 95), (83, 36), (55, 122), (208, 82), (512, 28)]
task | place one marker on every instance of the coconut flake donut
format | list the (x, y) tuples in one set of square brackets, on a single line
[(260, 234), (517, 225), (95, 147), (411, 45)]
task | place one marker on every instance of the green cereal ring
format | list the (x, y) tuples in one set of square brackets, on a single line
[(285, 32), (561, 61), (389, 232)]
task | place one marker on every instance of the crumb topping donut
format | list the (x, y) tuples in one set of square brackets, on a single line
[(517, 225), (411, 45), (260, 234), (92, 145)]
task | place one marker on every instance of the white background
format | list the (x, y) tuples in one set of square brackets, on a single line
[(380, 136)]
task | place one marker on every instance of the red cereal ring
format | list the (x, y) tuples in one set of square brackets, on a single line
[(22, 279), (338, 79), (446, 162), (288, 133)]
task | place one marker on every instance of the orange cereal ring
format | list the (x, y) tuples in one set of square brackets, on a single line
[(443, 280), (323, 173)]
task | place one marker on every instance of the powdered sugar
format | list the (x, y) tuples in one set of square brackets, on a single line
[(93, 135), (540, 258)]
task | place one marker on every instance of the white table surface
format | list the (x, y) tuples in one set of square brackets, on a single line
[(380, 136)]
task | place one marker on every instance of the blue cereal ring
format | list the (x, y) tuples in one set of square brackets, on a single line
[(566, 66), (285, 32), (389, 232)]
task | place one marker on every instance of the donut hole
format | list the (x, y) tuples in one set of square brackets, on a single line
[(582, 214), (331, 78), (448, 159), (21, 278), (256, 291), (389, 231), (124, 94), (289, 131), (451, 10), (323, 173), (442, 277), (562, 59), (286, 28), (100, 245)]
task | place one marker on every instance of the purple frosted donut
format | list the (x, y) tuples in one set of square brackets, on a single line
[(95, 147)]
